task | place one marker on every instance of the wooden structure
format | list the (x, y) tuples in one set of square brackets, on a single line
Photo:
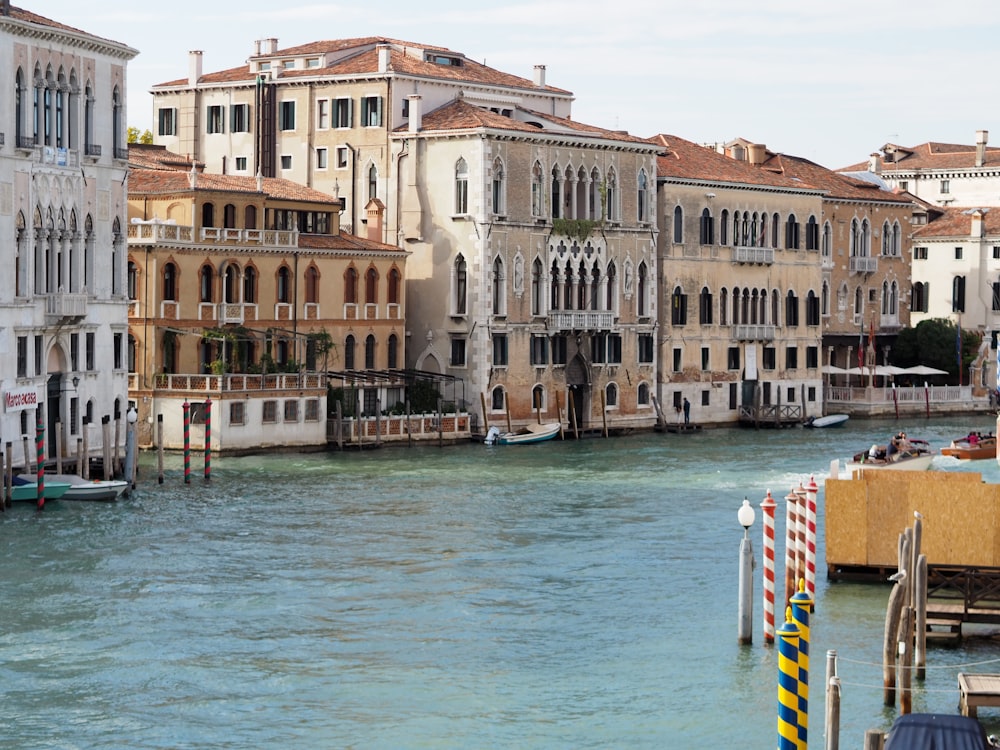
[(977, 690)]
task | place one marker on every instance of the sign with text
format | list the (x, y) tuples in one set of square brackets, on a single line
[(20, 399)]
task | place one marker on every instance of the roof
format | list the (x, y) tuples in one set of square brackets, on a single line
[(687, 160), (955, 222), (20, 14), (836, 185), (347, 242), (936, 732), (359, 57), (459, 114), (929, 156)]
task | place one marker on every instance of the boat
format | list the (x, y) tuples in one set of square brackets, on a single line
[(89, 489), (830, 420), (532, 433), (24, 489), (972, 447), (917, 456)]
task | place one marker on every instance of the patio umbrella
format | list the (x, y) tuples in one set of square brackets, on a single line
[(833, 370), (923, 370)]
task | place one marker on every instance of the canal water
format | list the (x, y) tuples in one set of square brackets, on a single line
[(565, 595)]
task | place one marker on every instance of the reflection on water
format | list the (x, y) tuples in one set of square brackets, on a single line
[(578, 594)]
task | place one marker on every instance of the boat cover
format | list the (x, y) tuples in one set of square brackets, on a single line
[(936, 732)]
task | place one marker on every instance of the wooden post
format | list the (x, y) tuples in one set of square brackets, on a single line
[(538, 410), (116, 466), (27, 455), (920, 630), (832, 720), (604, 413), (905, 641), (86, 449), (889, 648), (159, 449), (79, 457), (357, 417), (378, 422), (440, 423), (562, 436), (409, 427), (874, 740), (506, 408), (339, 407), (571, 408), (486, 418), (9, 473), (59, 447)]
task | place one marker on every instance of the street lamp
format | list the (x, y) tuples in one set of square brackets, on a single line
[(745, 515), (76, 381)]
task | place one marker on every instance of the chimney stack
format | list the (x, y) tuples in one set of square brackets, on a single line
[(416, 115), (271, 46), (875, 164), (5, 7), (374, 212), (194, 67), (978, 225), (540, 76), (383, 57), (982, 136), (756, 153)]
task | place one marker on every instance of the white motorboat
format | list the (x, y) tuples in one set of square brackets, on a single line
[(830, 420), (532, 433), (89, 489), (917, 456)]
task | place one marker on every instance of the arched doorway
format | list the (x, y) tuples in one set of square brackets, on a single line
[(578, 384)]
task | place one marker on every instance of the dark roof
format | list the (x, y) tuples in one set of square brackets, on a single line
[(936, 732)]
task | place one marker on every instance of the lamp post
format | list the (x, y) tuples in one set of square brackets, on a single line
[(746, 516), (131, 417)]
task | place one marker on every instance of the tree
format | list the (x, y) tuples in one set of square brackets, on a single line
[(933, 343), (134, 136)]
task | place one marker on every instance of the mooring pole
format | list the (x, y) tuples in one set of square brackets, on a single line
[(745, 515)]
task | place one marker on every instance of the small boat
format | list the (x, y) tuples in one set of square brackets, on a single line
[(830, 420), (972, 447), (24, 489), (532, 433), (917, 457), (89, 489)]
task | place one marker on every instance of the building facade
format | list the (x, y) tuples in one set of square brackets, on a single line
[(63, 160), (533, 269), (245, 295)]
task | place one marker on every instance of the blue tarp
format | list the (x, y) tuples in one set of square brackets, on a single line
[(936, 732)]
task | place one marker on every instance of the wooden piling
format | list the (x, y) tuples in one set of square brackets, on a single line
[(486, 414), (440, 423), (86, 448), (159, 449), (905, 655), (920, 629), (339, 407), (604, 413), (116, 465), (106, 445), (409, 427), (8, 473), (506, 408), (59, 447), (79, 457), (874, 740), (378, 422), (571, 408), (832, 718), (893, 614), (562, 435), (27, 455)]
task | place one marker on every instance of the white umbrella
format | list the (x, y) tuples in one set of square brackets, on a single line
[(833, 370), (923, 370)]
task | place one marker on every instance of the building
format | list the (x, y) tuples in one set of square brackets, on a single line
[(940, 174), (245, 295), (740, 327), (320, 114), (63, 310), (533, 273)]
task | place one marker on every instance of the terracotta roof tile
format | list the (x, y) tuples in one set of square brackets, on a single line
[(21, 14), (347, 242), (931, 155), (834, 184), (956, 222)]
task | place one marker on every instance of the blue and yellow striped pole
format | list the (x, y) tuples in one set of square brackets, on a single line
[(802, 605), (788, 684)]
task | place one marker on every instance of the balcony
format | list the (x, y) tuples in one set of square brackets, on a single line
[(761, 255), (121, 152), (92, 149), (60, 306), (26, 142), (580, 320), (753, 333), (235, 312), (860, 264)]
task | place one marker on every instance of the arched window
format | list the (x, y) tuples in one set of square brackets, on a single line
[(498, 192), (825, 299), (678, 224), (611, 196), (792, 233), (499, 285), (208, 215), (920, 295), (372, 182), (643, 291), (538, 397), (132, 281), (351, 286), (284, 293), (250, 217), (642, 395), (958, 294), (611, 292), (170, 282), (207, 283), (312, 285), (642, 197), (723, 306), (349, 346), (594, 195), (537, 191), (812, 234), (611, 395), (461, 187), (886, 239), (229, 216), (724, 227), (370, 352), (371, 286), (537, 287), (791, 309), (392, 352), (775, 229), (460, 286), (705, 306), (826, 245), (117, 129), (497, 399), (19, 104), (393, 287), (706, 235), (250, 285), (556, 193)]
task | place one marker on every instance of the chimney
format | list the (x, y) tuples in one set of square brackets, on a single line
[(256, 48), (5, 8), (874, 164), (982, 136), (271, 46), (976, 230), (374, 212), (540, 76), (756, 153), (416, 115), (383, 57), (194, 67)]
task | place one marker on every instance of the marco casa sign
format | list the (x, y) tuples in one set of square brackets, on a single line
[(20, 399)]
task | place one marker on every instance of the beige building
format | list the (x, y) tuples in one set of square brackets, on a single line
[(533, 269), (320, 114), (63, 306), (244, 292), (740, 325)]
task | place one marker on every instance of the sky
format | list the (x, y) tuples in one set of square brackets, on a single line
[(828, 81)]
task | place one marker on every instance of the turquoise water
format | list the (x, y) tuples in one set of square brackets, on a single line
[(566, 595)]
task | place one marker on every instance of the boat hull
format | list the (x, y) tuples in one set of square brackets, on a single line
[(28, 492), (830, 420), (98, 490), (920, 462), (967, 452), (533, 433)]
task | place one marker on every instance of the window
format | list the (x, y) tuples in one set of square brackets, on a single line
[(370, 352), (349, 346), (642, 394), (958, 294), (170, 282), (539, 351), (91, 351), (392, 352), (461, 187), (237, 412), (614, 348), (321, 155), (239, 118), (457, 352), (207, 283), (611, 395), (812, 234), (812, 357), (706, 234), (372, 182), (920, 253), (371, 286), (286, 161), (497, 400), (343, 113), (537, 287), (792, 233), (945, 186), (904, 185), (39, 348), (559, 350), (499, 349), (240, 164), (269, 414), (642, 197), (498, 191), (733, 358), (74, 351), (460, 286), (791, 309), (705, 358), (678, 224), (342, 154), (537, 191), (996, 252), (351, 286), (22, 356), (678, 359), (167, 119), (216, 121), (371, 111), (812, 309), (322, 114), (792, 358), (705, 307), (958, 253), (678, 307), (769, 358), (286, 116), (645, 346)]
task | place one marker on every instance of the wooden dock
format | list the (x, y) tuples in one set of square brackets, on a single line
[(977, 690)]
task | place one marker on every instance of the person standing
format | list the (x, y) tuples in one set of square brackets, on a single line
[(687, 411)]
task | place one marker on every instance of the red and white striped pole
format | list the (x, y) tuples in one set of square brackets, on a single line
[(791, 542), (800, 529), (767, 506), (811, 491)]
